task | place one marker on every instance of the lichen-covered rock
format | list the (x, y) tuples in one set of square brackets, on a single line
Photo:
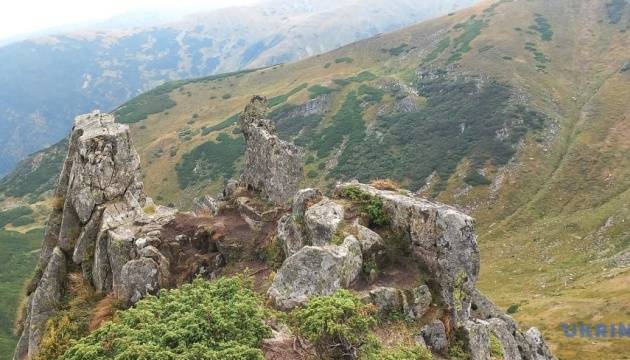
[(303, 199), (138, 278), (412, 303), (442, 239), (315, 270), (272, 166), (42, 304), (502, 331), (537, 349), (322, 221), (290, 235), (416, 302), (477, 339), (434, 335), (371, 242), (386, 299)]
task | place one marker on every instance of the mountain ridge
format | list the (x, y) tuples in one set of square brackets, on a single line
[(548, 183)]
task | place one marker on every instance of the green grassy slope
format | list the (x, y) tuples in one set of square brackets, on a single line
[(18, 254), (513, 110)]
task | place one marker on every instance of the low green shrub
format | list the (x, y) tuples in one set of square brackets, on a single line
[(496, 349), (476, 179), (222, 319), (337, 325), (512, 309)]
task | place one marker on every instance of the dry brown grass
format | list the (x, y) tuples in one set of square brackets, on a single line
[(56, 202), (385, 184), (103, 312), (80, 289)]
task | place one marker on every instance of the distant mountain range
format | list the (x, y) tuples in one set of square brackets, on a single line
[(46, 81)]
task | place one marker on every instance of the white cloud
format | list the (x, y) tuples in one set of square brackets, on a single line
[(28, 16)]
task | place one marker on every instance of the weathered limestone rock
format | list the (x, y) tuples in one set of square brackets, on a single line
[(272, 166), (416, 302), (507, 340), (43, 303), (478, 339), (138, 278), (441, 238), (434, 335), (303, 199), (386, 299), (322, 221), (412, 303), (315, 270), (290, 235), (538, 349), (371, 242)]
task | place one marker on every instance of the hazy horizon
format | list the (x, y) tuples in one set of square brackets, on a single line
[(37, 17)]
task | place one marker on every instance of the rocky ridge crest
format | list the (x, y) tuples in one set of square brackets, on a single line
[(399, 252)]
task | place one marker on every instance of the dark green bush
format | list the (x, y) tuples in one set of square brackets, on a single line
[(23, 220), (210, 161), (363, 76), (222, 319), (337, 324), (11, 215), (512, 309), (280, 99), (346, 60), (543, 27), (317, 90), (371, 94), (475, 179)]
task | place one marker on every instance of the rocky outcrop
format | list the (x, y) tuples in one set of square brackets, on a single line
[(42, 304), (104, 225), (315, 270), (272, 166), (441, 238)]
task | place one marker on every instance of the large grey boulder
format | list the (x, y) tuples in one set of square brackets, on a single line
[(322, 221), (315, 270), (272, 166), (442, 238)]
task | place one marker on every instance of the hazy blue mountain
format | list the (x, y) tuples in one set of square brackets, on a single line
[(48, 80)]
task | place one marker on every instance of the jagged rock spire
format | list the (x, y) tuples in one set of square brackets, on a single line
[(272, 166)]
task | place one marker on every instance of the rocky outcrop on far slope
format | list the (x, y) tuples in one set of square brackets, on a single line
[(272, 166)]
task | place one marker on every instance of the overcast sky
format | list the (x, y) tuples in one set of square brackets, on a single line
[(19, 17)]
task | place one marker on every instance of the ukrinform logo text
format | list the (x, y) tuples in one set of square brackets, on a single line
[(612, 330)]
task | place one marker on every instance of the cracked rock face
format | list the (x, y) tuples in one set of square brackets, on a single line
[(272, 166), (315, 270), (441, 238), (97, 224)]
